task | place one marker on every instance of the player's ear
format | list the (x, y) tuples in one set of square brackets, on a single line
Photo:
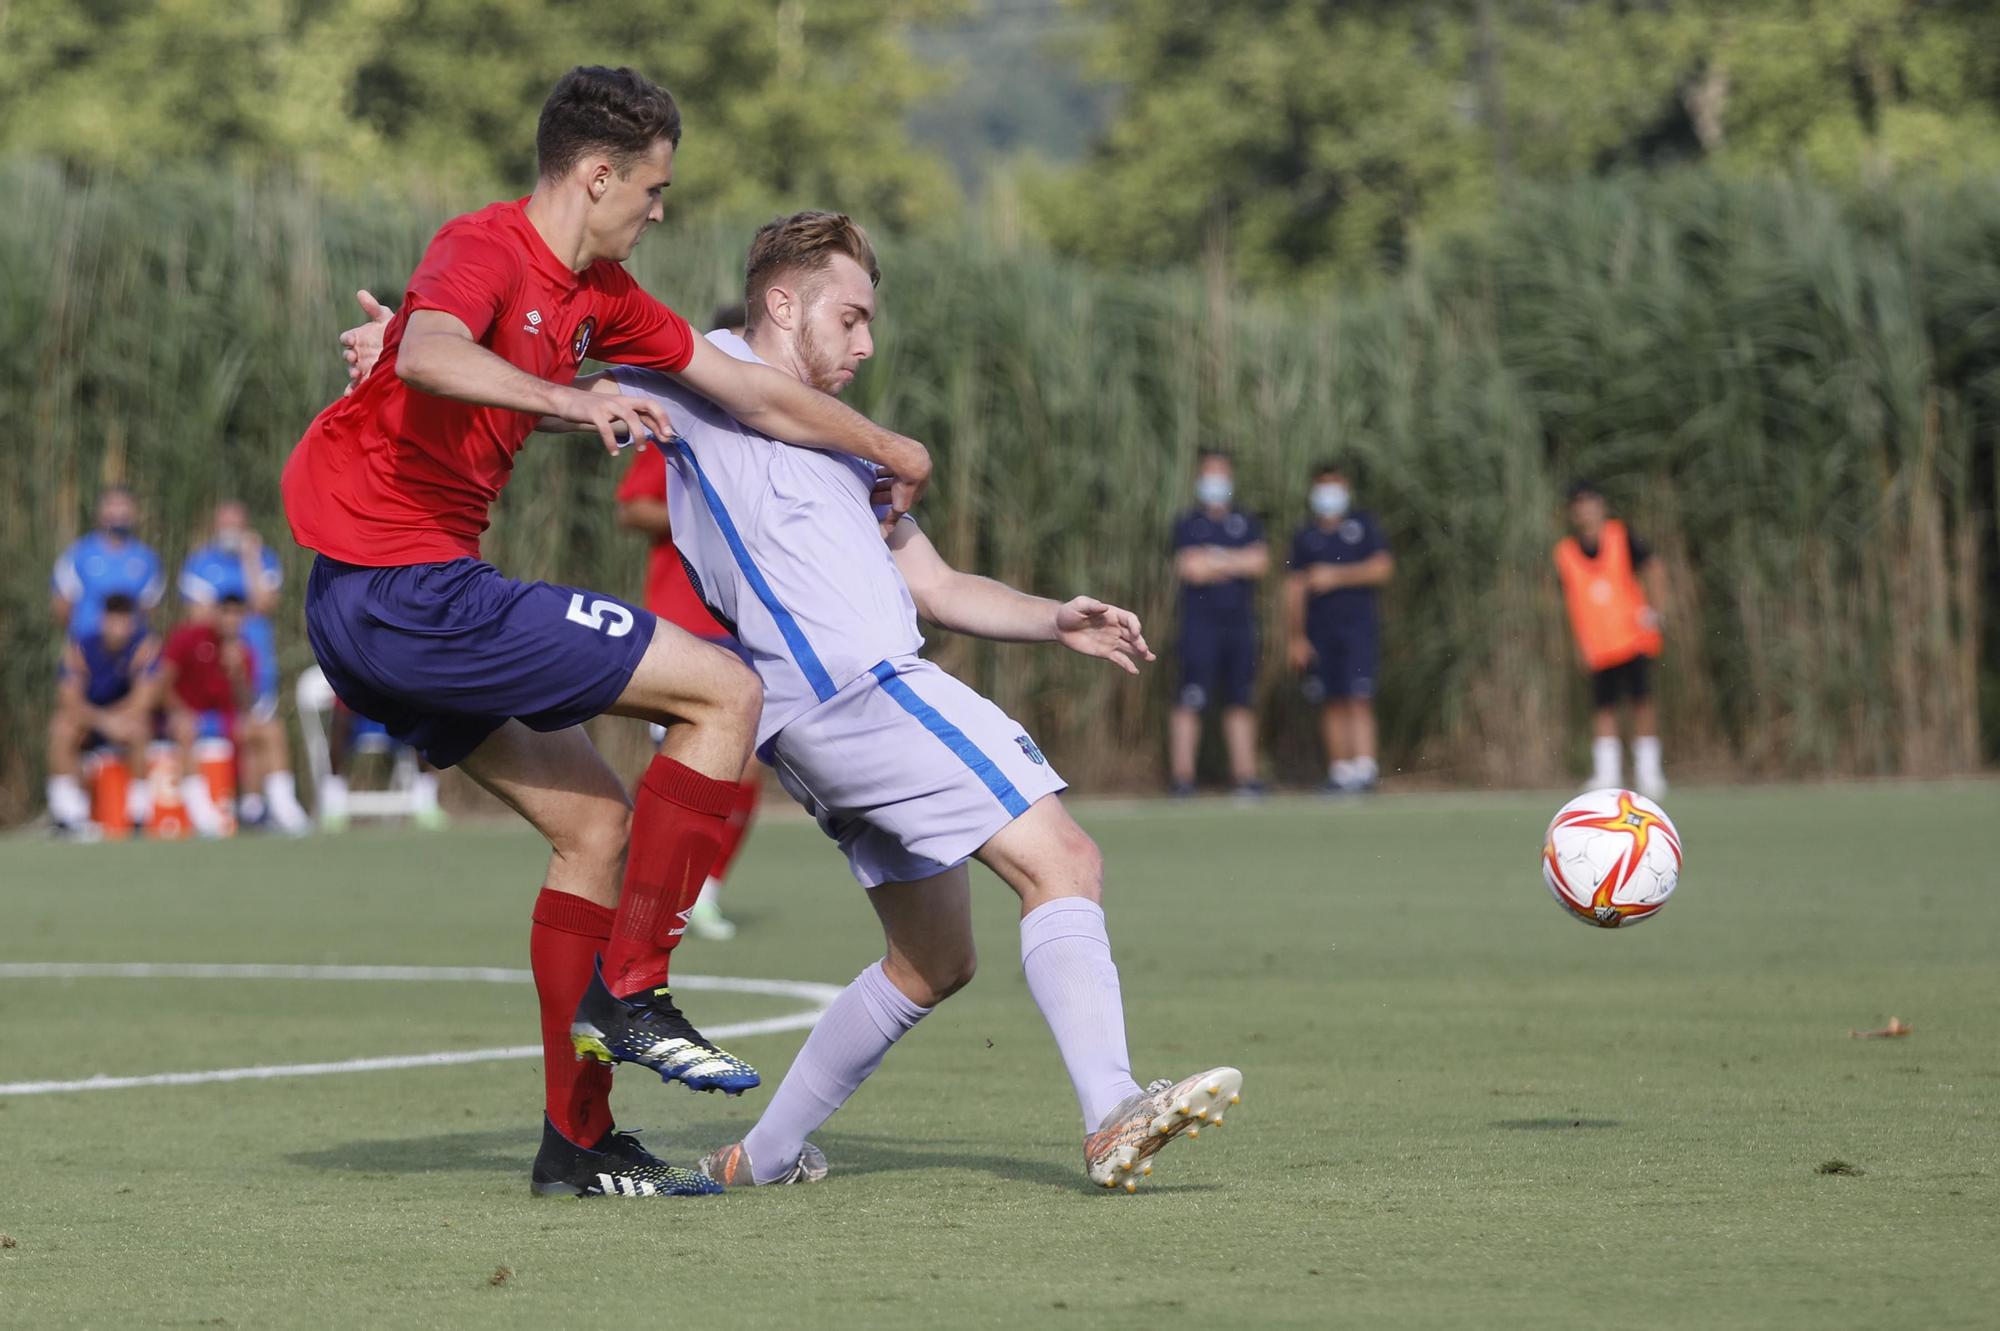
[(597, 177), (781, 305)]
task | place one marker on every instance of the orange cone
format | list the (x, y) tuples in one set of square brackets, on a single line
[(169, 819)]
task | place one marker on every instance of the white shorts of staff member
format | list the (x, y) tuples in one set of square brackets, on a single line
[(909, 770)]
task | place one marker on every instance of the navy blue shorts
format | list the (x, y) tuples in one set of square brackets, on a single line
[(445, 654), (1344, 665), (1218, 664)]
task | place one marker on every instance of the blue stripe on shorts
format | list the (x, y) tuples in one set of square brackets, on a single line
[(953, 738)]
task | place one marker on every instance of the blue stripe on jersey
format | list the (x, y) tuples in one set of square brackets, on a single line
[(954, 739), (795, 637)]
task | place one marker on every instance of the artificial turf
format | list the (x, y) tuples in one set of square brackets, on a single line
[(1460, 1108)]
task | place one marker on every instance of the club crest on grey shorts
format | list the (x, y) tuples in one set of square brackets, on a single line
[(909, 770)]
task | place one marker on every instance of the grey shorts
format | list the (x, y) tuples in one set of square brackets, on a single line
[(910, 771)]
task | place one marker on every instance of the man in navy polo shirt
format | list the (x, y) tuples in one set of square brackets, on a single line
[(1340, 559), (1219, 554)]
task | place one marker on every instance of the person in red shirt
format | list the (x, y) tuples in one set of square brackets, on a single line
[(391, 486), (642, 507), (207, 683)]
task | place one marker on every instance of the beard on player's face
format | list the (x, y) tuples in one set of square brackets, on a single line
[(822, 365)]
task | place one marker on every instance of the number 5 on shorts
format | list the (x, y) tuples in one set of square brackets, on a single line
[(607, 617)]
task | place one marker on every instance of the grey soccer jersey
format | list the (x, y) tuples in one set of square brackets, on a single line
[(783, 545)]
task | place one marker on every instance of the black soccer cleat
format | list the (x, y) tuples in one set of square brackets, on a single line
[(616, 1167), (650, 1031)]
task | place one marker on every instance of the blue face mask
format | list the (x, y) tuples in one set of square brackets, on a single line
[(1214, 491), (1330, 500)]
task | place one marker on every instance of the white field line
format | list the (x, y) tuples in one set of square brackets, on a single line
[(819, 994)]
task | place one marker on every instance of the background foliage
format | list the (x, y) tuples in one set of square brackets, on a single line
[(1794, 395)]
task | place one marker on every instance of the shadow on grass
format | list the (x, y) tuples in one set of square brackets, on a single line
[(1553, 1124), (510, 1151)]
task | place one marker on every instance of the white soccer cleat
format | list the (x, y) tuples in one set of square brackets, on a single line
[(1118, 1154)]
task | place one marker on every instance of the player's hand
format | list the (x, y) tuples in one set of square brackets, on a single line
[(614, 415), (361, 347), (1091, 627), (909, 477), (1301, 655)]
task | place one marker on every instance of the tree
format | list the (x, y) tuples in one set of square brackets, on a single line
[(1310, 137), (798, 103)]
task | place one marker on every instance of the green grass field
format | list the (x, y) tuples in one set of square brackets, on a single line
[(1461, 1109)]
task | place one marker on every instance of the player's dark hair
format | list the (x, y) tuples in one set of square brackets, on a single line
[(1583, 489), (233, 598), (617, 111), (118, 603), (727, 316), (803, 243), (1331, 467), (1210, 453)]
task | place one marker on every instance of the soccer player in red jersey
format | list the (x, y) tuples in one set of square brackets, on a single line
[(642, 506), (207, 682), (391, 486)]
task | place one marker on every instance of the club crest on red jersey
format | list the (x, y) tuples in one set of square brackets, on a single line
[(579, 344)]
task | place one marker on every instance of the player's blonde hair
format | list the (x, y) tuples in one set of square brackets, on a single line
[(802, 244)]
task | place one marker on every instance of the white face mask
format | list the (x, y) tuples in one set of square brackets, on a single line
[(1214, 491), (1330, 500)]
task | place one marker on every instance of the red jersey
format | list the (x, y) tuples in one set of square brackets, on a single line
[(202, 681), (669, 594), (392, 475)]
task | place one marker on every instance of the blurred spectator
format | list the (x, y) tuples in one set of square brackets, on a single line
[(1333, 614), (731, 317), (1219, 554), (105, 561), (104, 699), (1617, 627), (236, 563), (207, 681)]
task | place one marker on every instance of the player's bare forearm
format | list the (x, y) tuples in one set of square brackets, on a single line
[(965, 602), (782, 407), (439, 356)]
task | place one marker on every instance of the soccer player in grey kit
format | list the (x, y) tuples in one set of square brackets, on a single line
[(912, 773)]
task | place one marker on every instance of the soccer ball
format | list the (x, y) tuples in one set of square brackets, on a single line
[(1611, 858)]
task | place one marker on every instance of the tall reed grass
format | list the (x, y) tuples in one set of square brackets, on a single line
[(1794, 396)]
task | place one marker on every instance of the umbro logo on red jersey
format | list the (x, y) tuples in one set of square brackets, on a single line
[(534, 324)]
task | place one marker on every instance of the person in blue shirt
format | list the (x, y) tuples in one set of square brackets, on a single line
[(235, 564), (1340, 560), (106, 697), (1219, 555), (108, 560)]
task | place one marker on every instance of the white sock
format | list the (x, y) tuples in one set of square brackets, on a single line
[(333, 797), (1646, 757), (1341, 773), (424, 791), (1365, 769), (1067, 958), (707, 897), (846, 1044), (200, 806), (139, 803), (67, 802), (1606, 758)]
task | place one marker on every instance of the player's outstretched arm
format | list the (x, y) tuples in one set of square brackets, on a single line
[(776, 404), (984, 608), (439, 356)]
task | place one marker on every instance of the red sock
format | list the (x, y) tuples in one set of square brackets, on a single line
[(677, 821), (568, 934), (741, 812)]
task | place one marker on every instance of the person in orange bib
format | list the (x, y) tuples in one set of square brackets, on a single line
[(1613, 588)]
